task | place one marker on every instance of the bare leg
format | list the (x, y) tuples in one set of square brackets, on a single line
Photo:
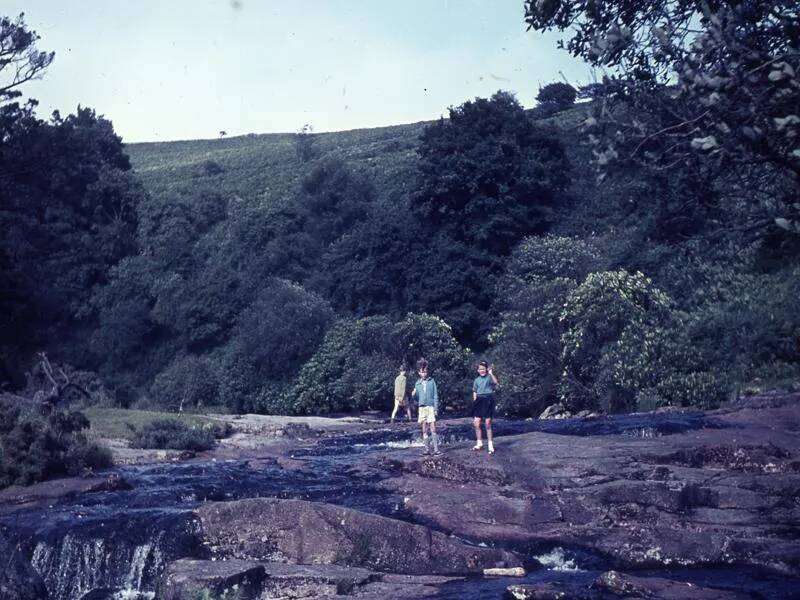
[(477, 423), (425, 440), (435, 438), (394, 412), (489, 434), (408, 412)]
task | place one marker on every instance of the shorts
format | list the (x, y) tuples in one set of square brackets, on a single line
[(426, 414), (483, 407), (399, 401)]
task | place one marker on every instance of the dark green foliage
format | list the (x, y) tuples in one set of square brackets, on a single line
[(173, 435), (553, 98), (274, 337), (34, 448), (68, 212), (488, 175), (189, 382), (305, 144), (540, 275), (355, 366), (731, 105)]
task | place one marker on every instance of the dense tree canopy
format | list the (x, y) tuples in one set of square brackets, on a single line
[(488, 175), (714, 81)]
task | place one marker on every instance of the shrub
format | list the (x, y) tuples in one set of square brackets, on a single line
[(190, 381), (34, 448), (174, 435), (355, 366), (540, 274), (595, 317), (553, 98)]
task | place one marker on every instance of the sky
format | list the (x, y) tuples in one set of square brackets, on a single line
[(188, 69)]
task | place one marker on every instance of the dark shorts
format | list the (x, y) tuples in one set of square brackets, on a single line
[(483, 407)]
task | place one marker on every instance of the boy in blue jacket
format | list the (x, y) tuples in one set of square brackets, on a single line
[(428, 402)]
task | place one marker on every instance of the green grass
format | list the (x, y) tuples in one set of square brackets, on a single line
[(265, 168), (113, 422)]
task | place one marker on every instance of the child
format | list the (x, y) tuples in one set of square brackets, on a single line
[(428, 402), (400, 393), (483, 389)]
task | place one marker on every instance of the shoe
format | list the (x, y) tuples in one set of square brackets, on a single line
[(491, 450), (477, 447)]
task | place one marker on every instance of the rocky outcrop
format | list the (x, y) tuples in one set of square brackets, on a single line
[(297, 531), (249, 580), (631, 586), (18, 580), (721, 495)]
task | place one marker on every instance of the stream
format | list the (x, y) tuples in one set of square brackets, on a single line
[(116, 544)]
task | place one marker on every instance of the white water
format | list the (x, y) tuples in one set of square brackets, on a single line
[(556, 560), (76, 566)]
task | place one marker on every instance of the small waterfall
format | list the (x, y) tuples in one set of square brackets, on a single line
[(128, 559)]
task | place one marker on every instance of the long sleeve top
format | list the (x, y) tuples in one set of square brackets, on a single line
[(426, 393)]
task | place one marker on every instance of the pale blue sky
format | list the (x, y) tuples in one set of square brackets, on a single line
[(186, 69)]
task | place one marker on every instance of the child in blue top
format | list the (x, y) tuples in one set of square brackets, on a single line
[(483, 389), (428, 402)]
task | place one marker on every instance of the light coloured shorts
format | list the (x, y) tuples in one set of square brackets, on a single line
[(426, 415)]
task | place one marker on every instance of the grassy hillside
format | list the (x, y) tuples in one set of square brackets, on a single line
[(266, 167)]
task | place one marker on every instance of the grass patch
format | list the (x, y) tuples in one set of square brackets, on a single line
[(173, 435), (121, 423)]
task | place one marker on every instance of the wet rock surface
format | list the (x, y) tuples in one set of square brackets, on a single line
[(674, 502), (296, 531), (722, 495)]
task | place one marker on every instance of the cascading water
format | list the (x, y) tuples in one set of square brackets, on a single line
[(115, 545)]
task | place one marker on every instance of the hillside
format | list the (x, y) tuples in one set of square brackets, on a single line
[(266, 167)]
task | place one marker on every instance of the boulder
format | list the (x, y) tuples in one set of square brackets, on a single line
[(188, 579), (185, 579), (301, 532), (555, 411), (625, 585)]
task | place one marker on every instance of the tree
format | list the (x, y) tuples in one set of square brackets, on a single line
[(20, 61), (355, 365), (65, 225), (715, 82), (306, 143), (526, 343), (488, 175), (553, 98)]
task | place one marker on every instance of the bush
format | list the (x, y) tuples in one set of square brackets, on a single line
[(275, 336), (603, 313), (190, 381), (34, 448), (540, 275), (553, 98), (174, 435), (355, 366)]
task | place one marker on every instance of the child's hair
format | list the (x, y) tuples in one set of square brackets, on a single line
[(403, 368), (483, 363), (422, 364)]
